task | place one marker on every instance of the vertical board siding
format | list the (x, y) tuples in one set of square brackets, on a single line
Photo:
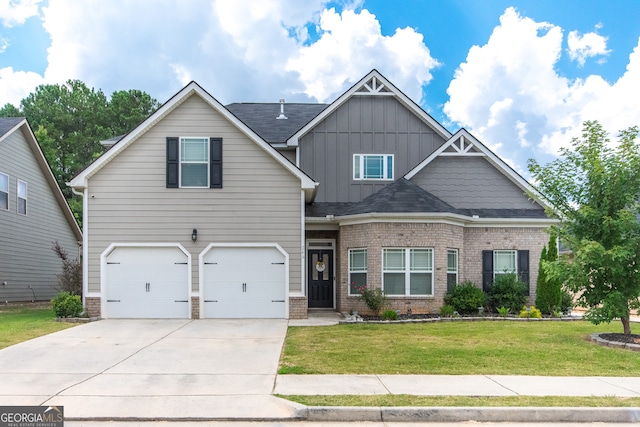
[(363, 125), (472, 182), (259, 202), (27, 262)]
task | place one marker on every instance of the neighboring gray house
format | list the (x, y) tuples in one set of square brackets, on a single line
[(33, 215), (269, 210)]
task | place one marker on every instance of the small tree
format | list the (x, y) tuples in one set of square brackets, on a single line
[(70, 280), (594, 188), (549, 288)]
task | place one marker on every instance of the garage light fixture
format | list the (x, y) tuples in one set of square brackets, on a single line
[(194, 235)]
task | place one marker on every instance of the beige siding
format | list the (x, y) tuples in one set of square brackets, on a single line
[(260, 200), (27, 263)]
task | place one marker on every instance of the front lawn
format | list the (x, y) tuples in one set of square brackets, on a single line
[(457, 348), (26, 321)]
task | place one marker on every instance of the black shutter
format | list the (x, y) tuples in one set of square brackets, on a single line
[(173, 164), (215, 167), (487, 270), (523, 267)]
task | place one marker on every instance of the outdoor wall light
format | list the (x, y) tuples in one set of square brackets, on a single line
[(194, 235)]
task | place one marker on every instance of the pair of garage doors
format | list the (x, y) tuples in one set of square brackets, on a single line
[(235, 282)]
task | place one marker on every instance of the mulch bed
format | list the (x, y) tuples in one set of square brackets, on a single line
[(628, 339)]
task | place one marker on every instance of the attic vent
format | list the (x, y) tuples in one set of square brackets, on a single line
[(282, 116)]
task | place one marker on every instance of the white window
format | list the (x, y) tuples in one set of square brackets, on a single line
[(407, 271), (357, 270), (22, 197), (194, 162), (4, 191), (504, 262), (452, 269), (373, 166)]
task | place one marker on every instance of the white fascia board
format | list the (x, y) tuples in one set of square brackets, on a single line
[(80, 181), (404, 99)]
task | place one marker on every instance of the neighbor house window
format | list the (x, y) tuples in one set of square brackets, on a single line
[(357, 270), (194, 162), (372, 166), (407, 271), (22, 197), (452, 269), (4, 191)]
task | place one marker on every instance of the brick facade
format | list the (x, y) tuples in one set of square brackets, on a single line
[(195, 307), (92, 306), (470, 242), (298, 307)]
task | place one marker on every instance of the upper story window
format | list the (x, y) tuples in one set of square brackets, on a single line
[(372, 166), (4, 191), (357, 270), (194, 162), (22, 197)]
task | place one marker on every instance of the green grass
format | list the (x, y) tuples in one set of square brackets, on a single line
[(435, 401), (456, 348), (20, 323)]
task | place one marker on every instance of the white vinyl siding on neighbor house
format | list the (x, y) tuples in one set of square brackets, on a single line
[(407, 271), (357, 270), (194, 162), (373, 166), (22, 197), (260, 201), (4, 191), (504, 262)]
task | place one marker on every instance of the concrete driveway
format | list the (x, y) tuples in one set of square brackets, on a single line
[(151, 369)]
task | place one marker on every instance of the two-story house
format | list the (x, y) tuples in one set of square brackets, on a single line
[(269, 210)]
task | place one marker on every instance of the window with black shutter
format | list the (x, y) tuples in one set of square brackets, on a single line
[(194, 162), (489, 268)]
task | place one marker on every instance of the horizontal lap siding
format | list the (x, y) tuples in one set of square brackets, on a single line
[(27, 263), (259, 202)]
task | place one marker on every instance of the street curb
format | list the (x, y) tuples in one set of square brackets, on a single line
[(462, 414)]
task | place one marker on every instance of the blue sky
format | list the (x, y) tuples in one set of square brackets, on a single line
[(520, 75)]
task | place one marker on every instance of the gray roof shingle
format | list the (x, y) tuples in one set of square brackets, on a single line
[(261, 118), (8, 123)]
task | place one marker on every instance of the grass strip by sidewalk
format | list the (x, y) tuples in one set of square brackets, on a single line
[(457, 348), (23, 322), (460, 401)]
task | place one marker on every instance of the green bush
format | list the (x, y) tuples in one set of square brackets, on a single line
[(503, 311), (466, 298), (390, 315), (375, 299), (567, 301), (447, 311), (67, 305), (549, 287), (507, 291), (530, 313)]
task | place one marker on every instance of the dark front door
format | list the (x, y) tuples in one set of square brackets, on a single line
[(320, 278)]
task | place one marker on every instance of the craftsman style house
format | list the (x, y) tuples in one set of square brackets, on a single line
[(269, 210)]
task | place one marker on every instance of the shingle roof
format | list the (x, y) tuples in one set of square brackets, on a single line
[(403, 196), (8, 123), (261, 118)]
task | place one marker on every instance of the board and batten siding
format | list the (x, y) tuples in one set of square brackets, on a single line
[(471, 183), (260, 201), (27, 262), (363, 125)]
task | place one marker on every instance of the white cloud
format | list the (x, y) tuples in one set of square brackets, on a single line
[(16, 85), (350, 45), (510, 95), (586, 46), (15, 12)]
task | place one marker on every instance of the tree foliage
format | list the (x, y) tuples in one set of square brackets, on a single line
[(594, 187), (549, 288)]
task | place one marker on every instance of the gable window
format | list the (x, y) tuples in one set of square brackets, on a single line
[(407, 271), (372, 166), (357, 270), (22, 197), (499, 262), (194, 162), (452, 269), (4, 191)]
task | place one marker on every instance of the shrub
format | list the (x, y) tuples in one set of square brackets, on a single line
[(507, 291), (531, 313), (567, 301), (70, 280), (465, 298), (375, 299), (67, 305), (447, 311), (503, 311), (549, 287), (390, 315)]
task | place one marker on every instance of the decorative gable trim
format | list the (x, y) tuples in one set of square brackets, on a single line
[(463, 144), (373, 84)]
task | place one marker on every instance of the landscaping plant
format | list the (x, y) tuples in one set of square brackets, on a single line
[(67, 305), (530, 313), (549, 288), (447, 311), (390, 315), (70, 279), (466, 297), (375, 299), (507, 291)]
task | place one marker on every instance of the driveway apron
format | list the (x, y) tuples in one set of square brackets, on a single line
[(151, 369)]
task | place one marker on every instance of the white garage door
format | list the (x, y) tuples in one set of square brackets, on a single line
[(244, 282), (147, 282)]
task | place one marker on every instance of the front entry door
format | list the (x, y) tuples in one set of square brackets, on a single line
[(320, 278)]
